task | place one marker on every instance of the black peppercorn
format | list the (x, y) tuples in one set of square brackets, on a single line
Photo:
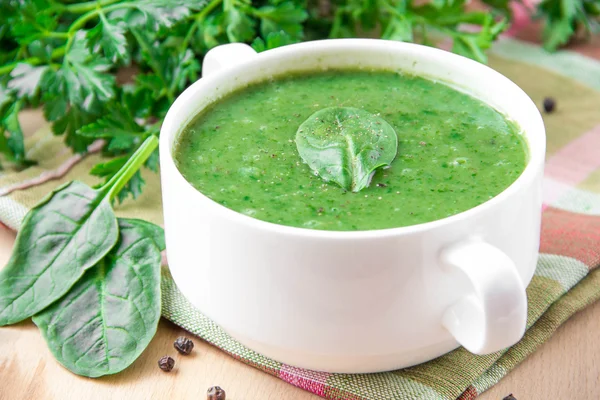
[(166, 363), (215, 393), (549, 105), (510, 397), (183, 345)]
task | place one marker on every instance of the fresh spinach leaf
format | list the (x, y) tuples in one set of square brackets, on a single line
[(63, 236), (66, 234), (346, 145), (108, 318)]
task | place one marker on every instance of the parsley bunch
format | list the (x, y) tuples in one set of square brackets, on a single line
[(565, 18), (66, 57)]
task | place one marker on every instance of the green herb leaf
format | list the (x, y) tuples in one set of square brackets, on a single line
[(164, 12), (138, 101), (111, 39), (467, 46), (183, 69), (557, 33), (33, 20), (25, 79), (273, 40), (55, 100), (109, 317), (239, 26), (64, 235), (69, 124), (41, 50), (13, 132), (346, 145), (132, 188), (286, 16), (400, 29), (5, 97), (83, 77), (212, 31), (564, 18), (109, 168), (119, 127)]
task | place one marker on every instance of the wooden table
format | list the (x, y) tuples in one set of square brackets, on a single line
[(566, 367)]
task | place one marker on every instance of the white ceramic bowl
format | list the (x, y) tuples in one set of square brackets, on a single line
[(361, 301)]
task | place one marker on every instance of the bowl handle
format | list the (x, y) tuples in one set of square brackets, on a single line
[(493, 315), (226, 55)]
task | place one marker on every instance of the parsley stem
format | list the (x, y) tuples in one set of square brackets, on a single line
[(88, 6), (206, 10), (59, 35), (80, 22), (188, 36), (120, 179), (337, 24)]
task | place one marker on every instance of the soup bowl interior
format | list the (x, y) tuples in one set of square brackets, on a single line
[(458, 72)]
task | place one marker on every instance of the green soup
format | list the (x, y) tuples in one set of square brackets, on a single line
[(454, 152)]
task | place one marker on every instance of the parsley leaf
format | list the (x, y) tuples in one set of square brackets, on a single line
[(110, 38), (69, 125), (5, 97), (12, 128), (282, 17), (272, 40), (25, 79), (563, 18), (118, 127), (85, 76), (400, 29), (163, 12), (239, 26)]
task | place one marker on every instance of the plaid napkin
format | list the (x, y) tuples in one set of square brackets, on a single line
[(566, 280)]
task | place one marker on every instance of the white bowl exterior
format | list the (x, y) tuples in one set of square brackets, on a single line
[(342, 301)]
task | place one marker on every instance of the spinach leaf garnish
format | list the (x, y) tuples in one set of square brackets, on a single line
[(109, 317), (346, 145)]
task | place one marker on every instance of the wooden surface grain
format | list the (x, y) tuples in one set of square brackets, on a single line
[(566, 367)]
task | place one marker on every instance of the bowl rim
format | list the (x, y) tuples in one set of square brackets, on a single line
[(171, 128)]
